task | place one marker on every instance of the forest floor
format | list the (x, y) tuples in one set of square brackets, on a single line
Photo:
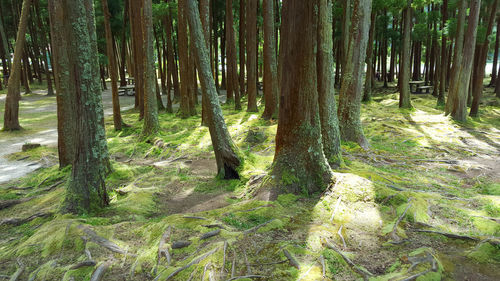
[(423, 203)]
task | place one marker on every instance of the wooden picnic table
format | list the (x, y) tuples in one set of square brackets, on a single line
[(130, 80), (417, 84), (128, 90)]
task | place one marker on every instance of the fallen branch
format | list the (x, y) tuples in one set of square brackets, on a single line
[(336, 207), (19, 221), (255, 228), (233, 265), (363, 272), (195, 261), (450, 235), (194, 217), (394, 235), (99, 272), (246, 277), (249, 269), (52, 186), (101, 241), (291, 259), (210, 234), (180, 244), (214, 226), (83, 264), (223, 259), (341, 236), (162, 249), (305, 274)]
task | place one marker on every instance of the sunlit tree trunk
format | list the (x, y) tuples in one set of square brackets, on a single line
[(151, 123), (11, 114), (86, 190), (352, 76), (233, 89), (205, 23), (367, 91), (226, 153), (270, 64), (404, 75)]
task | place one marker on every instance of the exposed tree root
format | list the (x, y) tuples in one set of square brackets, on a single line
[(180, 244), (98, 274), (19, 221), (214, 226), (223, 260), (53, 186), (291, 259), (256, 208), (163, 248), (20, 269), (83, 264), (210, 234), (246, 277), (363, 272), (394, 234), (9, 203), (255, 228), (103, 241), (323, 267), (195, 261), (194, 217), (269, 263), (450, 235), (233, 264), (249, 269), (336, 206)]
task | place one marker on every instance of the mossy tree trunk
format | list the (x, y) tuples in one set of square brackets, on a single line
[(205, 22), (86, 190), (233, 87), (299, 162), (151, 123), (226, 153), (251, 47), (346, 24), (6, 64), (270, 64), (11, 114), (404, 75), (477, 81), (457, 56), (117, 117), (459, 91), (326, 96), (495, 56), (352, 76)]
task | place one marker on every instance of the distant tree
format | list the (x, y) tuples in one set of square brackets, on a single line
[(352, 76), (232, 84), (270, 64), (444, 56), (11, 114), (184, 67), (226, 153), (299, 162), (86, 190), (242, 47), (404, 75), (251, 46)]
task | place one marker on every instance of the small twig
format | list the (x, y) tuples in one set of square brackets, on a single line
[(233, 266), (223, 260), (291, 259), (341, 236), (53, 186), (99, 272), (394, 235), (210, 234), (363, 272), (336, 208), (255, 228)]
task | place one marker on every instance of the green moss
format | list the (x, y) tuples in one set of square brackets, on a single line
[(486, 253), (287, 199), (334, 262), (430, 276)]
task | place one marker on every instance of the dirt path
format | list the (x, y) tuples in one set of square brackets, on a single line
[(10, 170)]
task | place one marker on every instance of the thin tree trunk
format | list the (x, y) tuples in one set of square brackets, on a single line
[(205, 23), (183, 59), (270, 66), (404, 97), (444, 57), (367, 91), (242, 47), (11, 114), (251, 44), (495, 56)]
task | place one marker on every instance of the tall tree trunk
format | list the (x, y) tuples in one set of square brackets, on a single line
[(136, 23), (326, 89), (477, 82), (183, 59), (299, 146), (460, 90), (171, 65), (232, 64), (367, 91), (226, 153), (251, 44), (151, 123), (205, 23), (5, 49), (351, 90), (457, 58), (11, 114), (404, 75), (86, 190), (223, 56), (117, 117), (241, 42), (444, 57), (494, 70), (346, 24), (270, 66), (123, 50)]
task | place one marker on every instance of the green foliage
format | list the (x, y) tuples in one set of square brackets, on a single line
[(286, 200), (486, 253)]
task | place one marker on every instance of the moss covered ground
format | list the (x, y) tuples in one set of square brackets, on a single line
[(423, 203)]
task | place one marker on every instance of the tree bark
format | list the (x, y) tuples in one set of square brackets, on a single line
[(404, 75), (299, 162), (117, 117), (86, 190), (184, 67), (232, 88), (151, 123), (270, 65), (326, 86), (251, 44), (495, 56), (351, 88), (205, 23), (226, 153), (444, 57), (367, 91), (242, 36), (458, 106), (11, 114)]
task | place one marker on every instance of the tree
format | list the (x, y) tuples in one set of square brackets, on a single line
[(226, 153), (351, 88), (367, 90), (117, 117), (299, 161), (444, 56), (151, 123), (184, 67), (86, 190), (241, 39), (251, 44), (232, 85), (457, 98), (404, 75), (270, 64), (326, 96), (11, 114)]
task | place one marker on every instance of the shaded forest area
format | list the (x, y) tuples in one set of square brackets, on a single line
[(249, 140)]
